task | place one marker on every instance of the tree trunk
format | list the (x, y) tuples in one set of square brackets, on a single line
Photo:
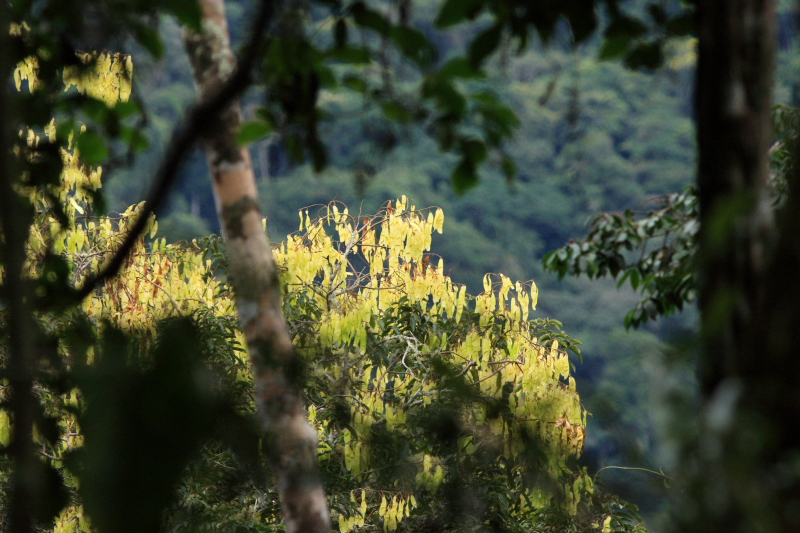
[(733, 107), (293, 442), (28, 485), (746, 476)]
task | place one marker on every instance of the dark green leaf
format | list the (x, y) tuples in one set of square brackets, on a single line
[(447, 97), (92, 147), (473, 150), (126, 109), (340, 33), (486, 97), (149, 39), (395, 111), (624, 278), (461, 68), (635, 279), (351, 54), (509, 167), (455, 11), (155, 418), (499, 119), (484, 44), (134, 138), (647, 55), (355, 83), (681, 25), (657, 13), (319, 156), (187, 12), (582, 17), (252, 131), (628, 26), (51, 497), (370, 19), (464, 176), (266, 115), (619, 35), (96, 110), (294, 147), (414, 45), (614, 47)]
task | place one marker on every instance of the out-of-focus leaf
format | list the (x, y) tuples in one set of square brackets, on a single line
[(509, 167), (447, 97), (395, 111), (355, 83), (351, 54), (93, 148), (127, 109), (253, 131), (154, 418), (52, 496), (474, 150), (460, 67), (454, 11), (149, 39), (370, 19), (134, 138), (464, 177), (187, 12), (414, 45), (582, 16), (340, 33), (647, 55), (614, 47), (619, 35), (681, 25), (484, 44), (657, 13)]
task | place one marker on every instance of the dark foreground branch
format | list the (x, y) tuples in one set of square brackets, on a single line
[(18, 313)]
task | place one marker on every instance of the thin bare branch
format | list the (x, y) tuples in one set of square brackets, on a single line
[(184, 139)]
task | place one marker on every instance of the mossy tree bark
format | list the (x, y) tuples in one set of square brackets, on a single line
[(293, 442)]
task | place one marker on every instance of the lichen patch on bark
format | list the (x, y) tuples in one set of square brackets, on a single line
[(234, 216)]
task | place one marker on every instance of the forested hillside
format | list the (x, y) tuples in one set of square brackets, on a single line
[(593, 136)]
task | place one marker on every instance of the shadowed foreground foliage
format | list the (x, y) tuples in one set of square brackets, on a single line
[(435, 410)]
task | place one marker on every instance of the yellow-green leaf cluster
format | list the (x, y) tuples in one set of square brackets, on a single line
[(157, 281), (358, 270), (361, 273), (73, 520), (104, 76)]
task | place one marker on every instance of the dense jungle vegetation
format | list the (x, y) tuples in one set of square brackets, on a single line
[(593, 136)]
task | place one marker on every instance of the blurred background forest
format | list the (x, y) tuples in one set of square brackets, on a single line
[(594, 136)]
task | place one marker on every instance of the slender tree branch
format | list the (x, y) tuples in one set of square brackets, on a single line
[(165, 291), (184, 139)]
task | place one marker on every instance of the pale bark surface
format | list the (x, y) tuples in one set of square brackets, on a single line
[(293, 441)]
